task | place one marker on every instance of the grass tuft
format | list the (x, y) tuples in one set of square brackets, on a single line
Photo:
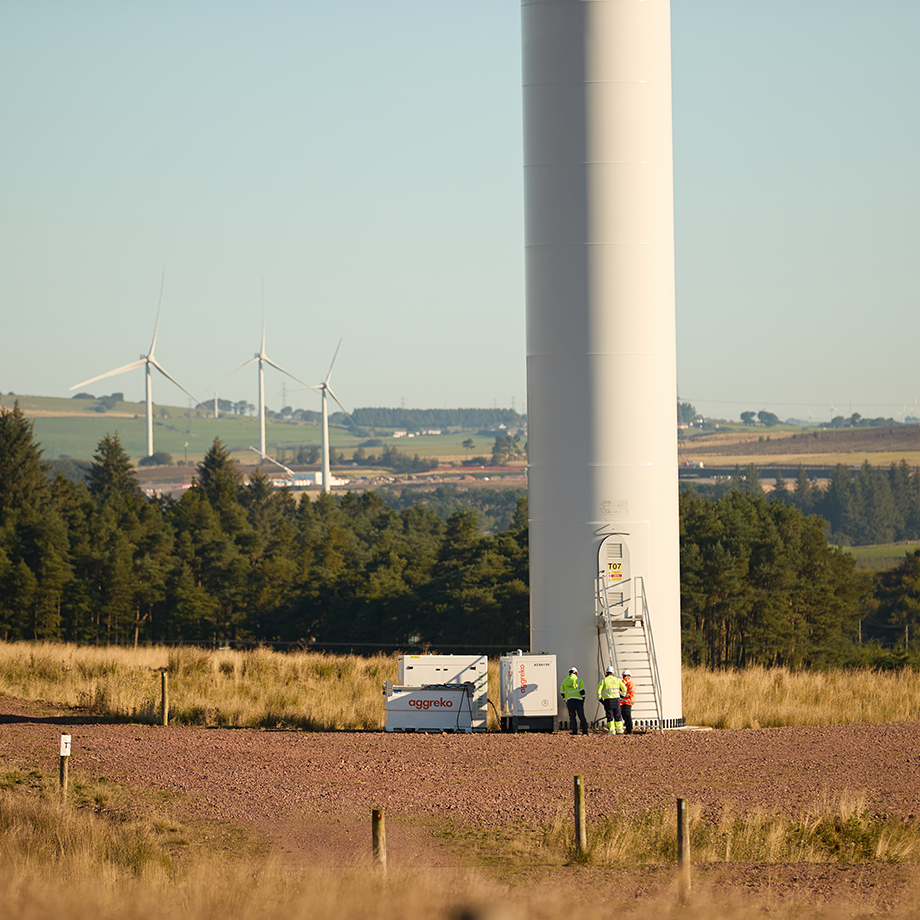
[(42, 837), (841, 831)]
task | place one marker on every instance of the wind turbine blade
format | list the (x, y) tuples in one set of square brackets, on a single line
[(156, 364), (222, 379), (120, 370), (337, 347), (262, 350), (329, 391), (318, 386), (245, 364), (278, 367), (156, 325), (347, 415)]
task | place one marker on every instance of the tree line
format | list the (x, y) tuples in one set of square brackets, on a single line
[(418, 419), (244, 562), (864, 507), (760, 584)]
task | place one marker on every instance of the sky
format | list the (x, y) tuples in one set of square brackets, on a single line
[(362, 164)]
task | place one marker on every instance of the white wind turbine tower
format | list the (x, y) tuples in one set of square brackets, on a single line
[(149, 361), (325, 389), (263, 359)]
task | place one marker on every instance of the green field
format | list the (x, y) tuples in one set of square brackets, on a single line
[(880, 558), (71, 428), (688, 434), (77, 437)]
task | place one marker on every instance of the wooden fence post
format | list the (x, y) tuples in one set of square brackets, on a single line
[(164, 698), (379, 838), (581, 833), (683, 850)]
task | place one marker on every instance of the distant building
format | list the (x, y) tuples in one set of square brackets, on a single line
[(308, 480)]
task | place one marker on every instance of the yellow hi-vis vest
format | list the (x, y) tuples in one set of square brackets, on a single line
[(610, 688), (572, 687)]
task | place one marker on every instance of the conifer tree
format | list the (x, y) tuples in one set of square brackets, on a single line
[(34, 567), (23, 475), (218, 471), (803, 491), (111, 474), (220, 479)]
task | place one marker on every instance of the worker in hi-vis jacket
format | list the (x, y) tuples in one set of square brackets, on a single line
[(626, 702), (573, 692), (609, 692)]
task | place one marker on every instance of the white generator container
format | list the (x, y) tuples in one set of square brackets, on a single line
[(529, 692), (422, 670), (439, 708)]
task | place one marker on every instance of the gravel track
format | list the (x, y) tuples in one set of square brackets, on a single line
[(309, 795)]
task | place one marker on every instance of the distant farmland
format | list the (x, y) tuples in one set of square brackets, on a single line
[(72, 428), (812, 447)]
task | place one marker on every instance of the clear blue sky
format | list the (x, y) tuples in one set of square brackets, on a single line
[(364, 158)]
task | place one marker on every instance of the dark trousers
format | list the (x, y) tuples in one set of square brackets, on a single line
[(612, 708), (627, 717), (576, 707)]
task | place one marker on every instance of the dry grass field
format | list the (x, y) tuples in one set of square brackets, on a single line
[(321, 692), (225, 688)]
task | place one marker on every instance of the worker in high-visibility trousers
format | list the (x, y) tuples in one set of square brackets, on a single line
[(609, 692), (626, 702), (573, 692)]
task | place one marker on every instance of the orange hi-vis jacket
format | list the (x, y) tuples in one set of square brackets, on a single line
[(630, 697)]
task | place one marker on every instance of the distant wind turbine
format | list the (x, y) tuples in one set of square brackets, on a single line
[(149, 361), (325, 389), (264, 359)]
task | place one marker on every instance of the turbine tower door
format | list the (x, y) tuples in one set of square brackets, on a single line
[(614, 577), (624, 618)]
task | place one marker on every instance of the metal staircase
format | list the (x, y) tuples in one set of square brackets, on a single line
[(623, 617)]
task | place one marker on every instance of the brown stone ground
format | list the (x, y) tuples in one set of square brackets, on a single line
[(309, 796)]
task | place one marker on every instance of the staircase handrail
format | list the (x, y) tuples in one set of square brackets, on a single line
[(653, 658)]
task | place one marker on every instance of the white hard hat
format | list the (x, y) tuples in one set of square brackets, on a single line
[(573, 670), (610, 669), (627, 674)]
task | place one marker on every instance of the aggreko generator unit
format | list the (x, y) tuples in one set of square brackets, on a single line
[(424, 670), (433, 708), (529, 692)]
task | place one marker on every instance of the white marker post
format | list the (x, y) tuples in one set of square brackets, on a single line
[(65, 757)]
